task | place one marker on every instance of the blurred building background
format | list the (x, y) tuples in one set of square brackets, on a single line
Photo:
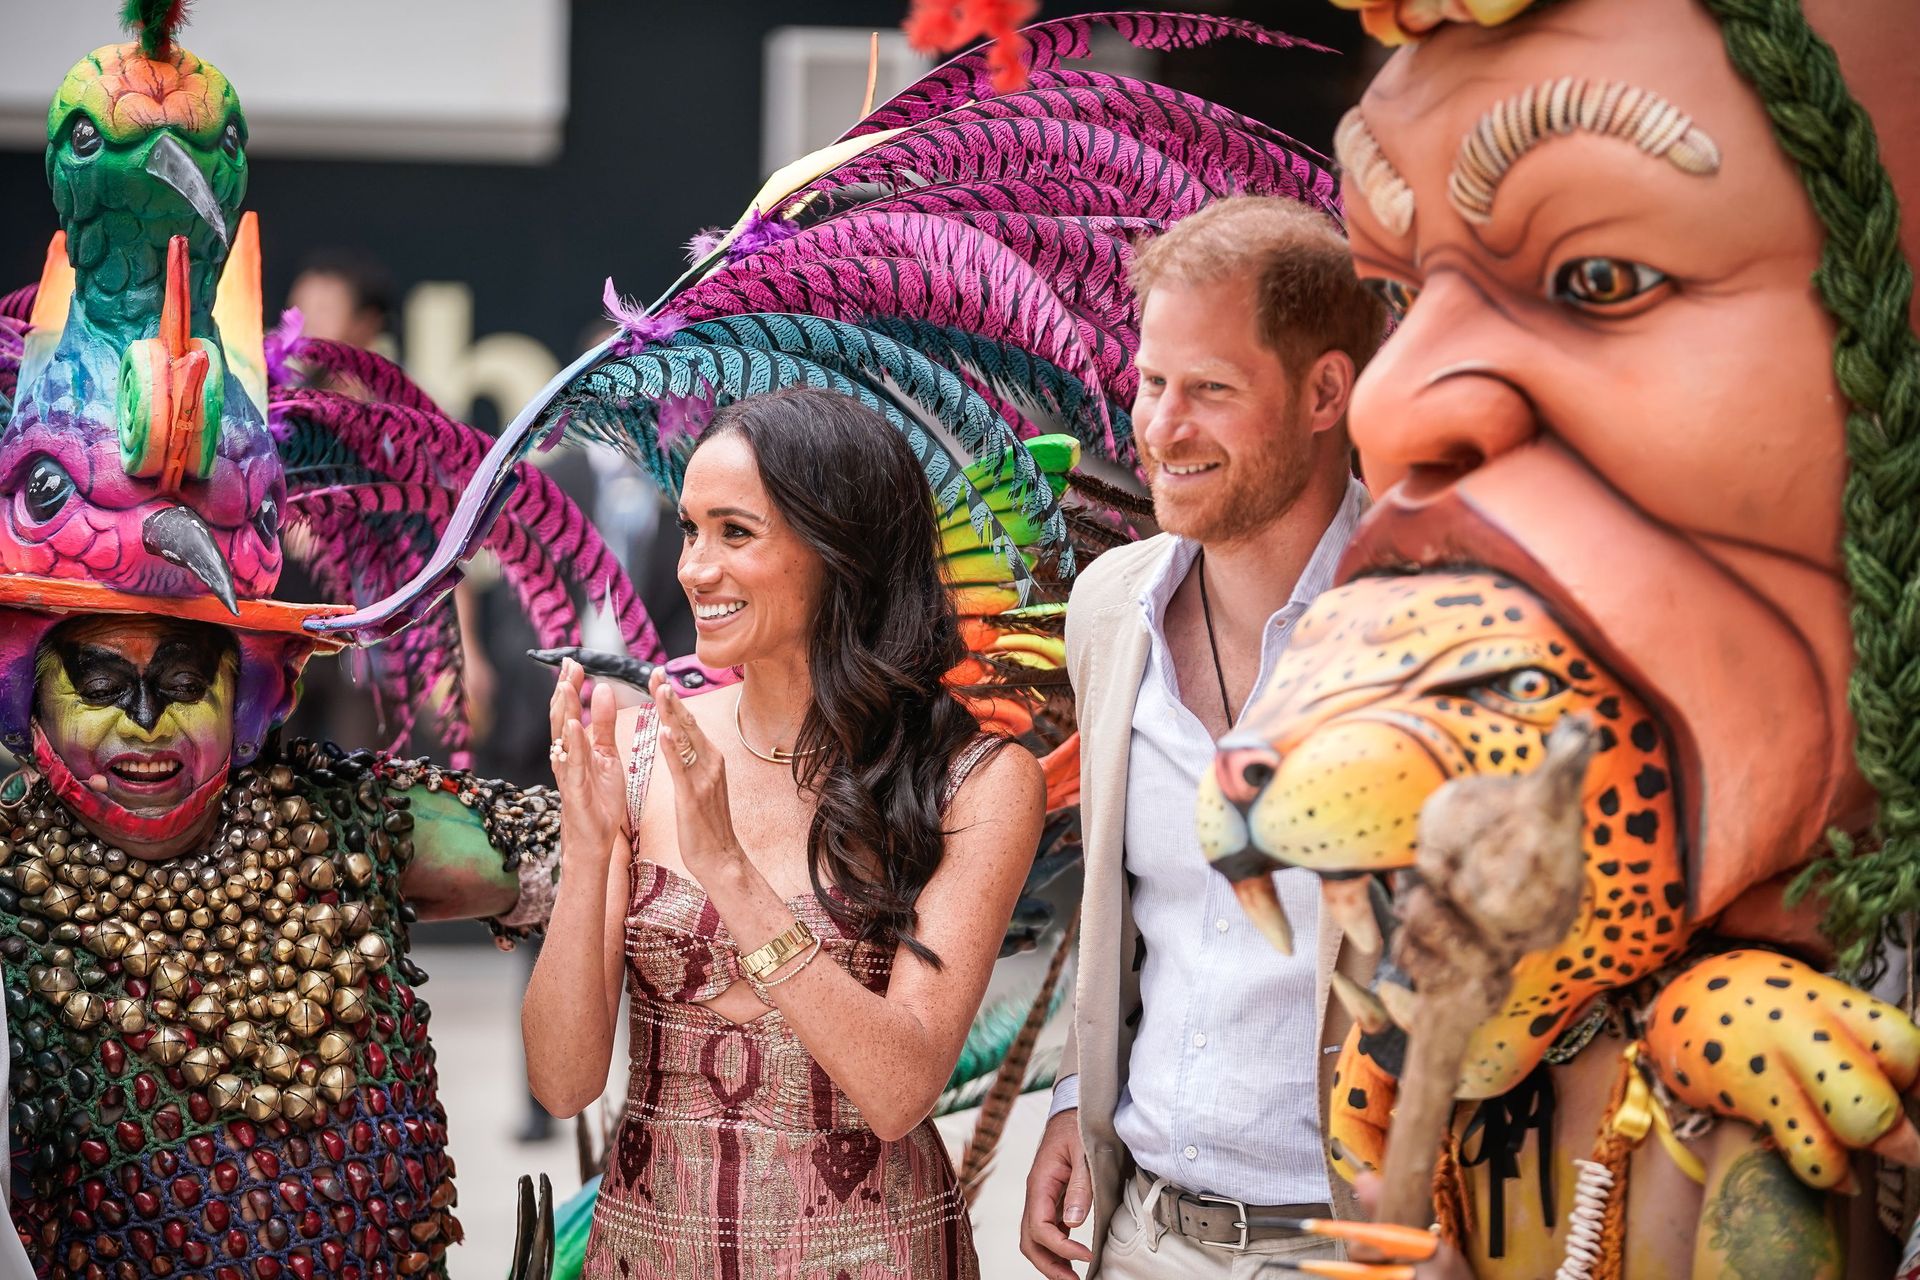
[(479, 168)]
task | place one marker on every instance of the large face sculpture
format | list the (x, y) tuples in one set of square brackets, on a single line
[(1612, 379)]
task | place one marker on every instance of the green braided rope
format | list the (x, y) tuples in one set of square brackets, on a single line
[(1866, 283)]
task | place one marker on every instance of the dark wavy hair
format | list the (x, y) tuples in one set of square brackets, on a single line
[(883, 728)]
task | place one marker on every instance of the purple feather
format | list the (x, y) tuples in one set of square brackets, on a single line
[(969, 77), (279, 345), (757, 232), (638, 328)]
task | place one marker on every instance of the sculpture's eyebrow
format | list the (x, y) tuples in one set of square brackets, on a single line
[(1556, 108), (1386, 192)]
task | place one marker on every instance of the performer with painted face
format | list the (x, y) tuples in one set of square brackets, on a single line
[(218, 1064), (1639, 443)]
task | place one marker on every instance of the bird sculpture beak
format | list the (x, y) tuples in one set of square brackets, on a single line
[(169, 162), (179, 536)]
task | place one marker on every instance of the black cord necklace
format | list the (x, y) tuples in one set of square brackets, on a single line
[(1213, 645)]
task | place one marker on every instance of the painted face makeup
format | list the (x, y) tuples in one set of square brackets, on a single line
[(134, 727)]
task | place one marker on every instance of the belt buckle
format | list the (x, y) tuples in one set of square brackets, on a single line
[(1240, 1207)]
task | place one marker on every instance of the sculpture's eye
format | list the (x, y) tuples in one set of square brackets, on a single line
[(1398, 295), (231, 140), (1528, 684), (84, 138), (47, 489), (1598, 284), (266, 522)]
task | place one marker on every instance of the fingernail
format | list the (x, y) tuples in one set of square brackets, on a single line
[(1075, 1215)]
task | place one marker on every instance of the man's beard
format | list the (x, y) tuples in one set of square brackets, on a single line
[(1252, 492)]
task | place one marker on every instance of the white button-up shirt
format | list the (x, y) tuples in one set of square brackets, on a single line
[(1221, 1084)]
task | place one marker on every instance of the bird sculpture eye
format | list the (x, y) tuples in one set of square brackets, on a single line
[(47, 489), (266, 522), (231, 141), (84, 138)]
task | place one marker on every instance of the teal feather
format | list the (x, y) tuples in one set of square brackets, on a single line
[(1016, 374), (618, 403)]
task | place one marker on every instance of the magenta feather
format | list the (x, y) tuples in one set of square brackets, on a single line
[(375, 378), (1003, 297), (969, 77), (1086, 268), (984, 149), (18, 305)]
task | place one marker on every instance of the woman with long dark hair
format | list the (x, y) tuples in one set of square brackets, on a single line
[(802, 879)]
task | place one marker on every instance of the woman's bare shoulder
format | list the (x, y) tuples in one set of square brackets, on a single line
[(1007, 782)]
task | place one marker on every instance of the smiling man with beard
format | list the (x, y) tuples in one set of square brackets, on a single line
[(1187, 1023)]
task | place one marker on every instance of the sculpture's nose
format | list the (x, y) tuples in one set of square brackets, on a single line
[(179, 536), (1243, 772)]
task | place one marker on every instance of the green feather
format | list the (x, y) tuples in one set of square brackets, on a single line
[(156, 22)]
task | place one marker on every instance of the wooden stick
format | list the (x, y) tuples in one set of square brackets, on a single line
[(1499, 874)]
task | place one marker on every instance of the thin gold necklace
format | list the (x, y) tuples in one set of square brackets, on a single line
[(778, 756)]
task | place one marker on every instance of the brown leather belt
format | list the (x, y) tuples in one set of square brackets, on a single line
[(1222, 1221)]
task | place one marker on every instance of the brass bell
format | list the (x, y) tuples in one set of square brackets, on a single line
[(349, 970), (263, 1103), (324, 919), (226, 1092), (58, 902), (170, 980), (205, 1013), (300, 1104), (128, 1016), (167, 1046), (241, 1040), (83, 1010), (355, 917), (334, 1048), (310, 837), (360, 869), (312, 952), (306, 1018), (349, 1005), (336, 1082), (203, 1064), (318, 874), (139, 957), (276, 1062), (374, 950), (284, 976), (282, 951), (32, 876), (315, 984)]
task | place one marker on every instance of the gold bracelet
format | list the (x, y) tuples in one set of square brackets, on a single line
[(761, 985), (763, 962)]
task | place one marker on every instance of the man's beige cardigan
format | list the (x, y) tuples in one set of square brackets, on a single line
[(1107, 649)]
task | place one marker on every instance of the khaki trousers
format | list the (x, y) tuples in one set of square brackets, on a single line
[(1137, 1248)]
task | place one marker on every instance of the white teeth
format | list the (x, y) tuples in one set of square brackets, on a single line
[(1173, 470), (718, 610), (148, 768)]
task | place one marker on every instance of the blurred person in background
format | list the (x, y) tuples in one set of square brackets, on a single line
[(343, 295)]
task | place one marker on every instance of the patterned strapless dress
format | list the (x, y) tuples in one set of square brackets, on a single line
[(738, 1158)]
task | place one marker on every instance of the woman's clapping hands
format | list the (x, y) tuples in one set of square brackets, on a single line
[(586, 765)]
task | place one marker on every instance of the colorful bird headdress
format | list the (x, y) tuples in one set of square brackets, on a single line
[(161, 453)]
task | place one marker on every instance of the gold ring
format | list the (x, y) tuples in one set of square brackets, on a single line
[(688, 755)]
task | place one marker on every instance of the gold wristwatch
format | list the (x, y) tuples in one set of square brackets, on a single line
[(763, 962)]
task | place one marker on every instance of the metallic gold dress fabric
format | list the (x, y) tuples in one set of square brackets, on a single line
[(738, 1157)]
